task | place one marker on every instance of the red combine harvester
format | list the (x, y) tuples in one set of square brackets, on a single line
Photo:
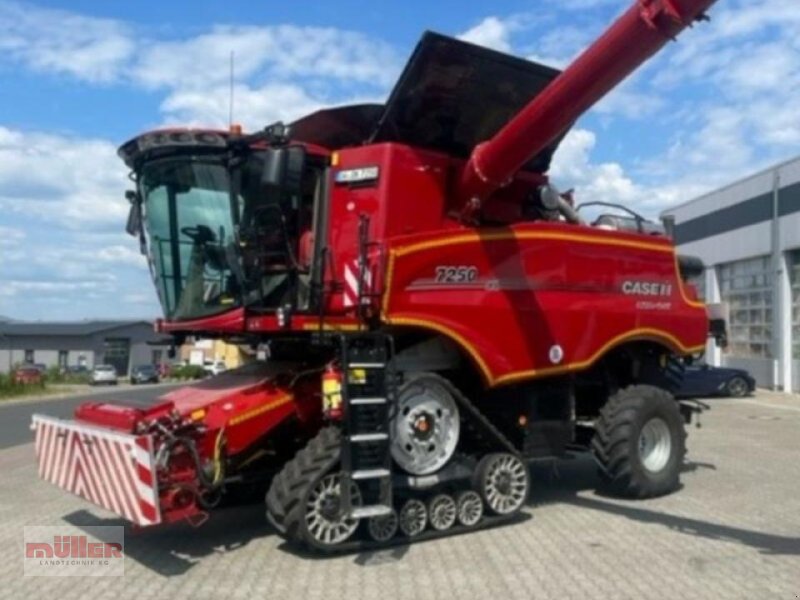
[(435, 313)]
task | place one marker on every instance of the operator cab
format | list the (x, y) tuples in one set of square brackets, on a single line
[(225, 221)]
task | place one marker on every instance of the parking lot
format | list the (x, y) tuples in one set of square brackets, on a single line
[(732, 532)]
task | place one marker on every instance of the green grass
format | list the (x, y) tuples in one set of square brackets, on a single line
[(10, 389)]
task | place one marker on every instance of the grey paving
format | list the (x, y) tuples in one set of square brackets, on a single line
[(732, 532)]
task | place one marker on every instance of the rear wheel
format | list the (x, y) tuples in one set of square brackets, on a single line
[(640, 442), (737, 387)]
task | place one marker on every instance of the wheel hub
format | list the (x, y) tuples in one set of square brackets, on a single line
[(425, 428), (655, 445)]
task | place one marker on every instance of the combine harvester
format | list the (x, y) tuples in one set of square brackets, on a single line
[(435, 313)]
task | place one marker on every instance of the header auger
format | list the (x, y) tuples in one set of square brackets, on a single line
[(434, 312)]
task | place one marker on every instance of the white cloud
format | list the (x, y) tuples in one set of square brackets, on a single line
[(254, 108), (62, 42), (492, 32), (71, 181)]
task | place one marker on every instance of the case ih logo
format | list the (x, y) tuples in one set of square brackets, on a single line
[(49, 552), (646, 288)]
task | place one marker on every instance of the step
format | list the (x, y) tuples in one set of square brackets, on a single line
[(366, 365), (369, 437), (369, 474), (365, 512), (361, 401)]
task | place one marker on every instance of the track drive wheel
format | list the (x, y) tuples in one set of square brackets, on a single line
[(640, 442), (503, 481), (304, 500)]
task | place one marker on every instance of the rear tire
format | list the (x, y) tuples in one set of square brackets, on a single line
[(737, 387), (640, 442)]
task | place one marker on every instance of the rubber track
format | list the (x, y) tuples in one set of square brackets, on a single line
[(285, 495)]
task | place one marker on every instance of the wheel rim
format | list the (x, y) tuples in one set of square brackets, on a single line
[(737, 387), (655, 445), (413, 518), (442, 512), (506, 484), (469, 508), (426, 428), (325, 520), (382, 529)]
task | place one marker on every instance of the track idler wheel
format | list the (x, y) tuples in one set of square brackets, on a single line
[(413, 518), (502, 480)]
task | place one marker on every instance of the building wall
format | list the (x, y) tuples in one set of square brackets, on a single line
[(735, 224), (92, 348)]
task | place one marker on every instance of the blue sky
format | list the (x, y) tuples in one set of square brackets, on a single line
[(78, 78)]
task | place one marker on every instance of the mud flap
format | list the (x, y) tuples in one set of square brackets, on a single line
[(110, 469)]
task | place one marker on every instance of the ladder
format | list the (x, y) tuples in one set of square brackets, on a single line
[(367, 394)]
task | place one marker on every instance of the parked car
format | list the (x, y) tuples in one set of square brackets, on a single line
[(28, 374), (144, 374), (77, 370), (214, 367), (104, 374), (705, 380)]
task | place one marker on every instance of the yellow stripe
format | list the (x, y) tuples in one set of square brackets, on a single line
[(528, 235), (684, 295), (332, 326), (260, 410), (640, 333), (450, 333)]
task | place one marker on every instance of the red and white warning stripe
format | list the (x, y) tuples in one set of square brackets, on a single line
[(112, 470), (351, 274)]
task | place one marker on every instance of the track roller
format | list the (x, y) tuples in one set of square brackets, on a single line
[(383, 528), (469, 508), (413, 517), (442, 512)]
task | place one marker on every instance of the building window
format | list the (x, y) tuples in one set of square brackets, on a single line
[(29, 356), (746, 286), (158, 356), (794, 280), (62, 359)]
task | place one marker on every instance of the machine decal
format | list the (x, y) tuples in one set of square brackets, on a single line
[(456, 274), (360, 175), (110, 469), (646, 288)]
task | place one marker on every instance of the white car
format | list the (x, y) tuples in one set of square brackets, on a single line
[(104, 374), (213, 367)]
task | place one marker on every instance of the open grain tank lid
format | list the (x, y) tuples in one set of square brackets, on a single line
[(451, 96)]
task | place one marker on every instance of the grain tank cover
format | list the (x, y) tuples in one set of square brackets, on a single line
[(453, 95), (338, 127)]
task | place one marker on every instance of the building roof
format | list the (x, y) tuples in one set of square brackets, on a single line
[(74, 328), (727, 186)]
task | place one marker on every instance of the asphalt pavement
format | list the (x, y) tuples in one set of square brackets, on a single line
[(15, 417)]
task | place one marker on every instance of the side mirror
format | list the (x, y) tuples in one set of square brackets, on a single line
[(283, 167), (134, 224)]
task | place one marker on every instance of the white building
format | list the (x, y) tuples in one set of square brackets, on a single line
[(748, 235)]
